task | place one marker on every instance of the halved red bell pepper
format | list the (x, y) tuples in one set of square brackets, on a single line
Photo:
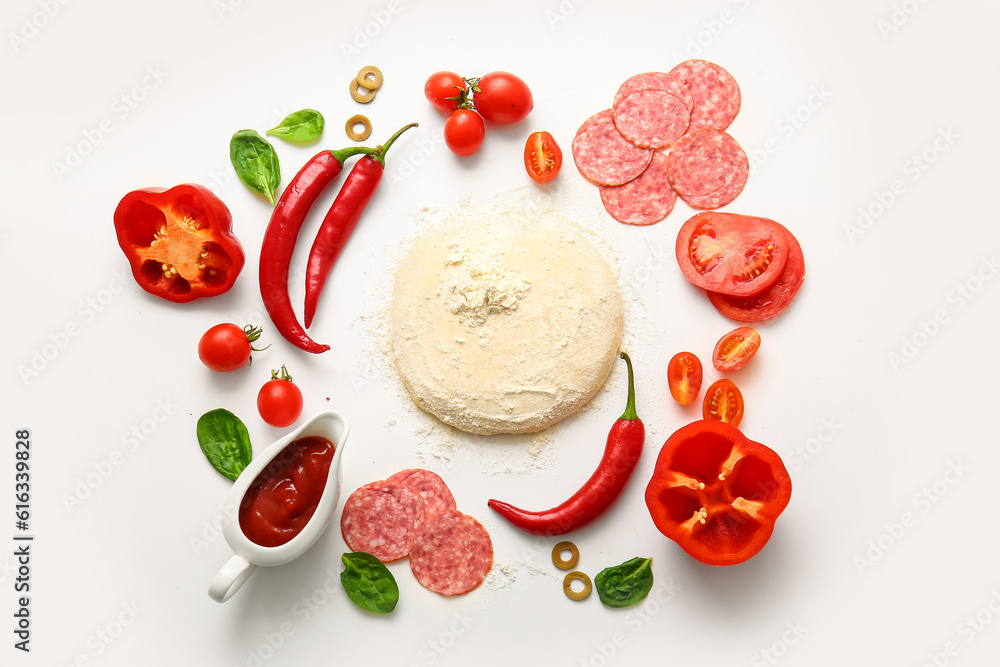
[(179, 241), (717, 493)]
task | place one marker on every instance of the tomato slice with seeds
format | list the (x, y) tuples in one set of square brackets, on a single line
[(771, 301), (735, 349), (723, 402), (738, 255), (542, 157), (684, 376)]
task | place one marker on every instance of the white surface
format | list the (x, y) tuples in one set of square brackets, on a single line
[(121, 578)]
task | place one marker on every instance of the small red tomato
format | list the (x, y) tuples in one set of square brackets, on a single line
[(226, 347), (542, 157), (279, 401), (735, 349), (464, 132), (442, 85), (684, 377), (502, 97), (723, 402)]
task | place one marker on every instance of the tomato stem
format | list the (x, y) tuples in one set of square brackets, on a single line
[(284, 374)]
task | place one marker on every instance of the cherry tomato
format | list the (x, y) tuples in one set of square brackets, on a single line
[(723, 402), (464, 132), (738, 255), (442, 85), (502, 97), (226, 347), (735, 349), (684, 377), (279, 401), (542, 157)]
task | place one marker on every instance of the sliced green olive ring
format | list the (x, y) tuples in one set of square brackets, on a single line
[(569, 563), (358, 120), (360, 93), (370, 77), (568, 585)]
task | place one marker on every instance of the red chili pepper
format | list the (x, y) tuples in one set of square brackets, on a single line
[(621, 456), (717, 493), (341, 220), (282, 232), (179, 241)]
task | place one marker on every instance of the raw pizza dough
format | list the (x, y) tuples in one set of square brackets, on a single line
[(504, 324)]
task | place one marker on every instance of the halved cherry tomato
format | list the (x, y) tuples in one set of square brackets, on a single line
[(771, 301), (279, 401), (735, 349), (717, 493), (502, 97), (464, 132), (442, 85), (684, 377), (732, 254), (542, 157), (723, 402)]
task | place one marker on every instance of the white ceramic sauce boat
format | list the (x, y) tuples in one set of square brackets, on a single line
[(247, 554)]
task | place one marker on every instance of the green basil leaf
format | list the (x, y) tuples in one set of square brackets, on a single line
[(304, 125), (225, 441), (369, 583), (626, 584), (255, 162)]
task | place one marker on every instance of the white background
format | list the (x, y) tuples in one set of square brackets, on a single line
[(840, 101)]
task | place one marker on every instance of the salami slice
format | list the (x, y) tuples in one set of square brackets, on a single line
[(603, 155), (429, 486), (451, 553), (651, 118), (713, 93), (654, 81), (645, 200), (707, 168), (380, 518)]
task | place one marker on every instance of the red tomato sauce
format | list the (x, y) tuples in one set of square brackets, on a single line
[(283, 497)]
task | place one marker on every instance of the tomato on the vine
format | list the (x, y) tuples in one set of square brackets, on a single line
[(279, 401), (542, 157), (442, 85), (684, 376), (464, 132), (502, 97), (723, 402), (735, 349), (226, 347)]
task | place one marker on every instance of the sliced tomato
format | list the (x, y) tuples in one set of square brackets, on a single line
[(738, 255), (735, 349), (717, 493), (684, 375), (723, 402), (771, 301), (542, 157)]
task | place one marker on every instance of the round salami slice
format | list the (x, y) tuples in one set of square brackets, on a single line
[(651, 118), (429, 486), (451, 553), (645, 200), (603, 155), (713, 93), (380, 518), (708, 168), (654, 81)]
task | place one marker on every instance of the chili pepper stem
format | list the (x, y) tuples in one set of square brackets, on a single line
[(379, 154), (630, 413), (343, 154)]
